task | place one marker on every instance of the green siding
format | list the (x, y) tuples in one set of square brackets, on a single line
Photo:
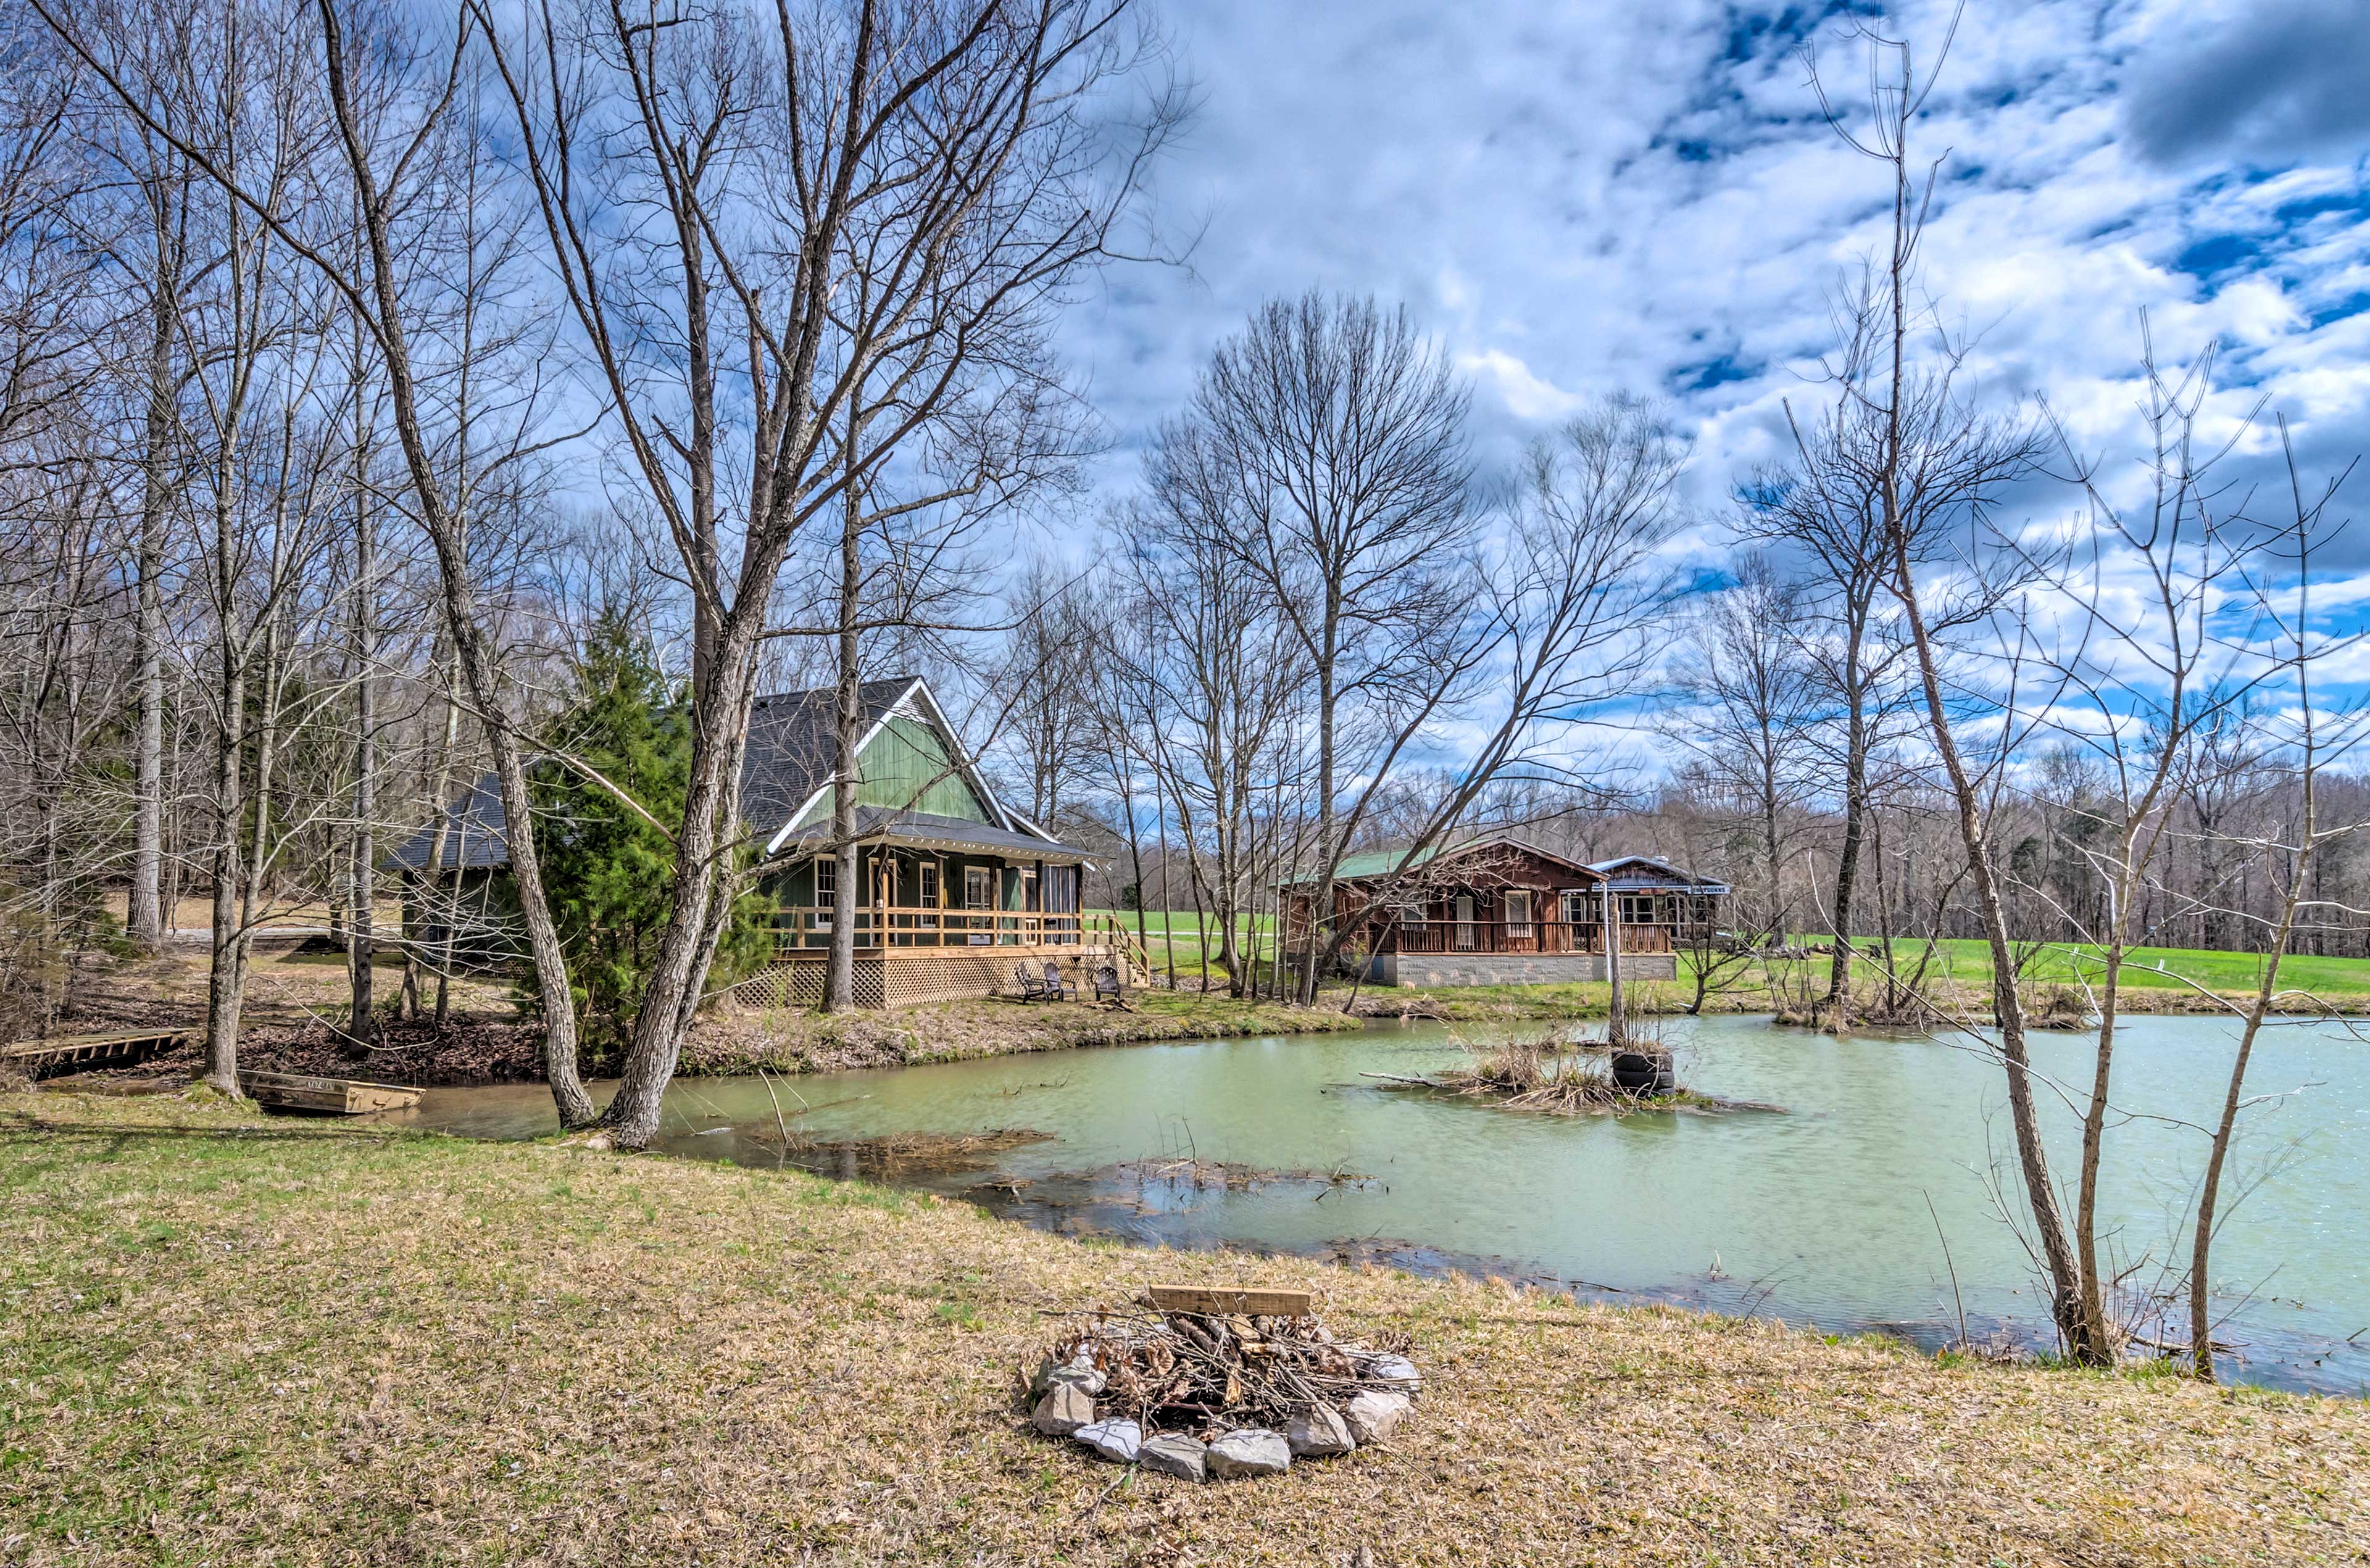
[(907, 769)]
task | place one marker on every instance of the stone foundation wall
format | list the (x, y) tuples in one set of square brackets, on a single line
[(1513, 968)]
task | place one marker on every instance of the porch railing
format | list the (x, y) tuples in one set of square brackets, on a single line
[(878, 926), (1529, 936)]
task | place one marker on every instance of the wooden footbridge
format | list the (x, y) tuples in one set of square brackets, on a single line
[(79, 1053)]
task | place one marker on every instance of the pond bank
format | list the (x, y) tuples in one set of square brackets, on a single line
[(243, 1339), (728, 1043)]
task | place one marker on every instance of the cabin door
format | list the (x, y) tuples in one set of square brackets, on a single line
[(1465, 941), (1520, 936)]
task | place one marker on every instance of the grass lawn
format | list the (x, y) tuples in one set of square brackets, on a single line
[(229, 1340), (1969, 962)]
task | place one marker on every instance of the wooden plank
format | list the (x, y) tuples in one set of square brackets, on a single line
[(130, 1040), (1250, 1302), (340, 1096)]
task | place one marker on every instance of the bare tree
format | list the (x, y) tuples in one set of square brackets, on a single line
[(1570, 594), (1747, 683), (2138, 687), (1215, 676), (1341, 432), (2317, 741), (949, 159), (1932, 462)]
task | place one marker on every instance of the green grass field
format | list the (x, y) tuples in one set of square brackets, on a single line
[(2168, 968), (1178, 934)]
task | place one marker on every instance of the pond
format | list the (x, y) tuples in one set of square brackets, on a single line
[(1818, 1213)]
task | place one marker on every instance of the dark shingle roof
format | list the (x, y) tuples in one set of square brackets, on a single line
[(934, 832), (473, 838), (791, 749), (790, 746)]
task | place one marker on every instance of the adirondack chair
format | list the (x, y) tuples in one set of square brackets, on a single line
[(1031, 984), (1056, 988), (1107, 985)]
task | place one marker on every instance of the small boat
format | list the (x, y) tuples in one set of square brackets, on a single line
[(337, 1096)]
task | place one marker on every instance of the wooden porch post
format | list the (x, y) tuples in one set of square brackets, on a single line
[(1615, 1028)]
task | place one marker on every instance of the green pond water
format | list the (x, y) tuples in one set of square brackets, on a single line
[(1817, 1213)]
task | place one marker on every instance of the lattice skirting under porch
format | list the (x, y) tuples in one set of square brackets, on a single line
[(903, 982)]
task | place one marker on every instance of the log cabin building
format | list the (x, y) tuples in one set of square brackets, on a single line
[(1499, 911), (958, 890)]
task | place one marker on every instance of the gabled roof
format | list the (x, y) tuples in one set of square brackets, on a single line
[(791, 745), (911, 699), (1629, 873), (1375, 864), (785, 776)]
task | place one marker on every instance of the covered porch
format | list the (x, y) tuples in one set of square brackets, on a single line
[(949, 909)]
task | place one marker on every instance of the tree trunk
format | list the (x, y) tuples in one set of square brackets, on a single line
[(1329, 854), (361, 952), (1848, 855), (684, 951), (1617, 1025), (2086, 1338), (446, 532), (2209, 1195), (144, 917), (847, 717), (222, 976)]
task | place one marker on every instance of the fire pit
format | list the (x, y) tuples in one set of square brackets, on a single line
[(1186, 1387)]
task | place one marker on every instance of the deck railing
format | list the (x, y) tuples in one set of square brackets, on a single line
[(1527, 936), (897, 927)]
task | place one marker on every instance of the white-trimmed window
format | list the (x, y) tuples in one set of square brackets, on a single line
[(826, 889), (1518, 912), (979, 887), (928, 891)]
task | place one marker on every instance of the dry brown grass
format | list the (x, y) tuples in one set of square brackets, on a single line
[(236, 1341)]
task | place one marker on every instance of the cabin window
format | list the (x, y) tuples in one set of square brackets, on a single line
[(826, 889), (1637, 909), (1518, 912), (1578, 906), (979, 887), (1464, 922), (928, 890)]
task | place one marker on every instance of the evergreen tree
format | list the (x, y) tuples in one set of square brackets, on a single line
[(608, 871)]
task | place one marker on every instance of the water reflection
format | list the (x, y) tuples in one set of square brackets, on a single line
[(1821, 1213)]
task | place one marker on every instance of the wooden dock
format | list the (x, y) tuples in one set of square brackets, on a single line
[(79, 1053), (336, 1096)]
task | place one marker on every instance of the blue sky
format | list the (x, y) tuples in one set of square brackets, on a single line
[(1582, 198)]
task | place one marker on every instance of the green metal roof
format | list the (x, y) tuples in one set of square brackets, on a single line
[(1380, 863)]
